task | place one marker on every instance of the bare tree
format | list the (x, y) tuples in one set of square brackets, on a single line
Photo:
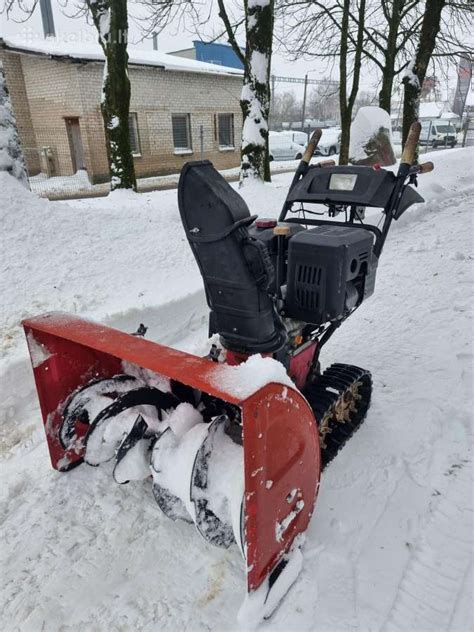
[(285, 108), (324, 100), (416, 72), (391, 30), (111, 21), (347, 101), (333, 30), (110, 18), (255, 95)]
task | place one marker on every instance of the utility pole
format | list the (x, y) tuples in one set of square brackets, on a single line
[(272, 102), (303, 113), (155, 40)]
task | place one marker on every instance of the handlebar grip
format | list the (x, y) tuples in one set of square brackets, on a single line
[(426, 167), (313, 143), (408, 156), (327, 163)]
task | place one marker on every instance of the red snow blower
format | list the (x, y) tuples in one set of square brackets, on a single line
[(234, 442)]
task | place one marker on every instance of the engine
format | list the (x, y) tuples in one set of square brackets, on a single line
[(326, 271), (265, 280)]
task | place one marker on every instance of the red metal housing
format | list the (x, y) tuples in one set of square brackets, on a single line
[(281, 443)]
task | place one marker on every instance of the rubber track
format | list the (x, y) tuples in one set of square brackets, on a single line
[(326, 391)]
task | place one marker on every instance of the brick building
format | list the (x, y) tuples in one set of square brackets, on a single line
[(180, 109)]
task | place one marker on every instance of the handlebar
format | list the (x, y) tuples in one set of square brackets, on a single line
[(409, 151), (425, 167), (313, 143)]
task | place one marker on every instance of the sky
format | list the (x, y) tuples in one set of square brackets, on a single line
[(177, 36)]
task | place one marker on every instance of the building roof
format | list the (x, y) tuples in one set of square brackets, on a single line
[(430, 109), (57, 49), (434, 110)]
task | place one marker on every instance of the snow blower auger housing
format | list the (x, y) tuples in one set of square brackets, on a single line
[(234, 442)]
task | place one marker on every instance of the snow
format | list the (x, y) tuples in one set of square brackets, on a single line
[(173, 462), (368, 121), (79, 183), (434, 110), (114, 122), (259, 65), (107, 436), (254, 122), (11, 157), (183, 418), (390, 542), (38, 352), (225, 480), (57, 47), (410, 75), (104, 24), (135, 465), (246, 378), (261, 603), (282, 526)]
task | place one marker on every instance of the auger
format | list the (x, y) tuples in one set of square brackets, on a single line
[(234, 442)]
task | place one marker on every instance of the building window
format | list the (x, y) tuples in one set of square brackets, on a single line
[(225, 124), (182, 133), (134, 136)]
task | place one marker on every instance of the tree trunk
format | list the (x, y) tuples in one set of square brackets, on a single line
[(413, 79), (345, 137), (111, 20), (347, 104), (388, 74), (345, 116), (385, 94), (11, 154), (256, 92)]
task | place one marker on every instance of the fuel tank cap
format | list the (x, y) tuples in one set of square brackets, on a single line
[(265, 222)]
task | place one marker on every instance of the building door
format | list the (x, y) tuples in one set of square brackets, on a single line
[(75, 143)]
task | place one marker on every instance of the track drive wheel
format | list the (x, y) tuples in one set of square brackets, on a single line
[(340, 398)]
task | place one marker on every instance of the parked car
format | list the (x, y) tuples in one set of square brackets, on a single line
[(281, 147), (437, 133), (300, 138), (330, 142)]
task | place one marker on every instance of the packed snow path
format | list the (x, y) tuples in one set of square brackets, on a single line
[(390, 543)]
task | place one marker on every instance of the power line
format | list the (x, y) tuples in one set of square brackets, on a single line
[(315, 82)]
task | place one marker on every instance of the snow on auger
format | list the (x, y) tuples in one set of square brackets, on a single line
[(234, 442)]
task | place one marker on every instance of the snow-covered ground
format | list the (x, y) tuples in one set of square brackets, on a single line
[(390, 543), (77, 185)]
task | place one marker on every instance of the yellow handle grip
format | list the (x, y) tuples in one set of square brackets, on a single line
[(426, 167), (408, 156), (313, 143)]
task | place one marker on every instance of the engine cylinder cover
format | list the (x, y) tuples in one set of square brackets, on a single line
[(327, 265)]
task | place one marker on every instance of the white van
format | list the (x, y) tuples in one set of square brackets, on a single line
[(437, 133)]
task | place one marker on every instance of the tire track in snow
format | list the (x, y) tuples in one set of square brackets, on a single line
[(429, 589)]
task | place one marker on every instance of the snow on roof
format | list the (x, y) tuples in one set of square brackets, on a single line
[(430, 109), (434, 110), (53, 47)]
